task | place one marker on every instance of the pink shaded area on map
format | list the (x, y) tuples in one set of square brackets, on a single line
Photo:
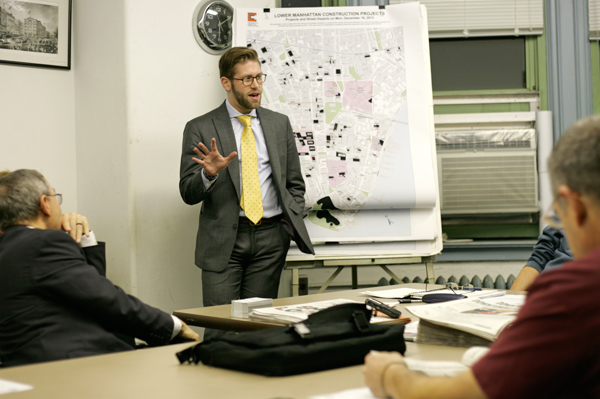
[(357, 95), (376, 145), (335, 168)]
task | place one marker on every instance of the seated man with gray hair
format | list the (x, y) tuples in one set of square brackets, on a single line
[(54, 301), (552, 350)]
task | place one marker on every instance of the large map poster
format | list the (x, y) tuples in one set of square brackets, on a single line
[(354, 83)]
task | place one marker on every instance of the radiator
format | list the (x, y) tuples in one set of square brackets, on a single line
[(488, 282)]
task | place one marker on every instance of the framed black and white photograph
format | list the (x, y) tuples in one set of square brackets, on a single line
[(35, 32)]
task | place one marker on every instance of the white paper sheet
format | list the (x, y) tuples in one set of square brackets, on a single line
[(7, 386)]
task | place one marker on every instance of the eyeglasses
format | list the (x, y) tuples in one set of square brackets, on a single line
[(453, 286), (551, 218), (58, 197), (247, 81)]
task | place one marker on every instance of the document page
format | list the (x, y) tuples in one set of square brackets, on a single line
[(356, 393), (7, 386)]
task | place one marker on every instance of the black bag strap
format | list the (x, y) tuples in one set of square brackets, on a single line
[(361, 321), (355, 314), (343, 313), (188, 355)]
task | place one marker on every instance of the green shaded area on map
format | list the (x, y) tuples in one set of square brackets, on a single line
[(378, 39), (324, 219), (331, 111)]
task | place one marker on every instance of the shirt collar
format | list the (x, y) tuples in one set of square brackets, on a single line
[(234, 113)]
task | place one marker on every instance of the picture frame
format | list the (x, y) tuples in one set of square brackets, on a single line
[(36, 33)]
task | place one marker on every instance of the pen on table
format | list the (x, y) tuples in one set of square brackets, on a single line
[(409, 300)]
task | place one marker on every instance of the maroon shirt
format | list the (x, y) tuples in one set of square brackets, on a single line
[(553, 347)]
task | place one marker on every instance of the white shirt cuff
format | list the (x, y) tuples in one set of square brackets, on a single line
[(88, 241), (176, 326), (208, 183)]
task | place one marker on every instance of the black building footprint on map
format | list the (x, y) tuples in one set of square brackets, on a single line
[(327, 205)]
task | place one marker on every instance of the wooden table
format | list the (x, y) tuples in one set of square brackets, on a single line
[(220, 316), (155, 373)]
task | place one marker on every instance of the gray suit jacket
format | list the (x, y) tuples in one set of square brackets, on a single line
[(219, 216)]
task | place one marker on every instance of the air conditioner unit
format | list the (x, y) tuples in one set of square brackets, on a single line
[(487, 171)]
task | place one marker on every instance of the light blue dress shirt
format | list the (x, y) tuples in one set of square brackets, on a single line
[(271, 205)]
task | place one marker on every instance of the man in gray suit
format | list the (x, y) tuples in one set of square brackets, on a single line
[(245, 225)]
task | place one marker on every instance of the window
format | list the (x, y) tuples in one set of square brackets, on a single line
[(478, 63)]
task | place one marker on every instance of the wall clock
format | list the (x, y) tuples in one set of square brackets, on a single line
[(212, 23)]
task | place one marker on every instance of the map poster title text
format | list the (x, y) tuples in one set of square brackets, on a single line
[(330, 14)]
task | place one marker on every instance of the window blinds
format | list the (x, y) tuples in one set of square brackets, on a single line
[(594, 18), (466, 18)]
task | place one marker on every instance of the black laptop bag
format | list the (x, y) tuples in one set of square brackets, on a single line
[(335, 337)]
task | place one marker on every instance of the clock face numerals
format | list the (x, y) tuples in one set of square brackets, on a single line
[(214, 26)]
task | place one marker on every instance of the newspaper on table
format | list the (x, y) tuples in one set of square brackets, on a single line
[(296, 313), (416, 293), (483, 317)]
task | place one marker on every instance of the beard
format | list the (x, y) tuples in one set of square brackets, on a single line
[(243, 100)]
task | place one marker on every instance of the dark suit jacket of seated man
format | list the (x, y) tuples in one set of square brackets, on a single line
[(54, 301)]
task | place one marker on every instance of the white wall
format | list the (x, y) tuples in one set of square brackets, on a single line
[(37, 125), (139, 77), (102, 135)]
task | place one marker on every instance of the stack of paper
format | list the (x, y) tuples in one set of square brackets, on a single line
[(243, 307), (293, 313), (466, 322), (296, 313)]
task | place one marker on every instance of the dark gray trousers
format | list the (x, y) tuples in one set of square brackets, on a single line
[(254, 269)]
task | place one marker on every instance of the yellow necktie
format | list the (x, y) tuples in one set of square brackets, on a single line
[(251, 201)]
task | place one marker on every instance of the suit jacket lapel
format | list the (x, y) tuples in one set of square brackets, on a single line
[(228, 145), (273, 149)]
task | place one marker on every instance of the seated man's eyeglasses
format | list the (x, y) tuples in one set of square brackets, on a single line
[(551, 218), (247, 81), (58, 197)]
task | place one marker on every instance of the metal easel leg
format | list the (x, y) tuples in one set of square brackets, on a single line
[(330, 279), (391, 274), (429, 260), (295, 282)]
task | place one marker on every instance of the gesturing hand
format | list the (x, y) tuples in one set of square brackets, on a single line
[(212, 161)]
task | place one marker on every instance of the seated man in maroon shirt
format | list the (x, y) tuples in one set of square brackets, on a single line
[(553, 347)]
